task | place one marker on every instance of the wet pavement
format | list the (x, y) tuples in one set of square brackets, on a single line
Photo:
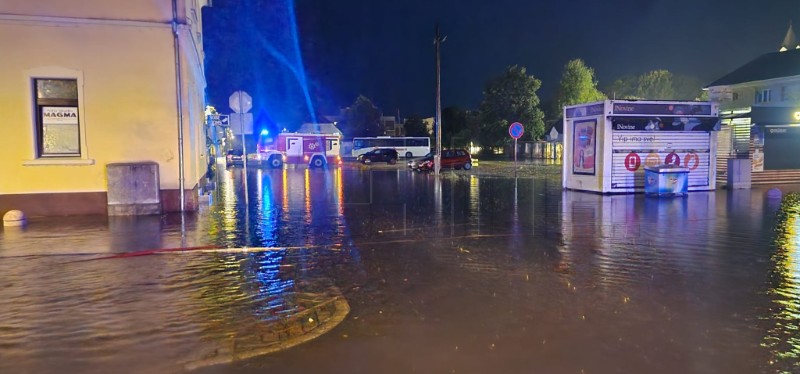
[(394, 272)]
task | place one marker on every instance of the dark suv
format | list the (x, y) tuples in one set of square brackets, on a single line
[(234, 157), (451, 159), (386, 155)]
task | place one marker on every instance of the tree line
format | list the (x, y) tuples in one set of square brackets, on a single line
[(512, 97)]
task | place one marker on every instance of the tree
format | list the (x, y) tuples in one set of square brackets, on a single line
[(510, 97), (362, 119), (577, 86), (623, 88), (415, 126), (688, 88), (454, 120), (655, 85)]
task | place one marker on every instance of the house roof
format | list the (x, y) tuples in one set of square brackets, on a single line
[(321, 128), (767, 66), (789, 41)]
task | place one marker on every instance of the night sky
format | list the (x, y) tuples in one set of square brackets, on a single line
[(384, 50)]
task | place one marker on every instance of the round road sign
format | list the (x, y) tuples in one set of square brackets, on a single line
[(516, 130)]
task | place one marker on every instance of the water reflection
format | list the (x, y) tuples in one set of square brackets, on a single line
[(782, 339), (516, 273), (288, 207)]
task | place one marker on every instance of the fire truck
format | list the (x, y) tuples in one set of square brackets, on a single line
[(312, 149)]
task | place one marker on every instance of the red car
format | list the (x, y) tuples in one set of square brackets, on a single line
[(451, 159)]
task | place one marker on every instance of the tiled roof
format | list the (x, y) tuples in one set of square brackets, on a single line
[(767, 66)]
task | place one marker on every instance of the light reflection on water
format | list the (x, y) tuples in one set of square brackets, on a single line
[(782, 339), (518, 274)]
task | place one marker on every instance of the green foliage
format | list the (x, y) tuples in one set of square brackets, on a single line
[(362, 119), (578, 85), (688, 88), (415, 126), (510, 97), (459, 127), (656, 85), (623, 88)]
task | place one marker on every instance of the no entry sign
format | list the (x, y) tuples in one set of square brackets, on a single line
[(516, 130)]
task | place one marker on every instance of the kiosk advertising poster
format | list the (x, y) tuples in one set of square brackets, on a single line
[(583, 152), (652, 141), (757, 134), (60, 131)]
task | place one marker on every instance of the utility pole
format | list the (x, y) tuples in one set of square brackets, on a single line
[(437, 160)]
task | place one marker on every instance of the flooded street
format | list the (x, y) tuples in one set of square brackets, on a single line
[(399, 272)]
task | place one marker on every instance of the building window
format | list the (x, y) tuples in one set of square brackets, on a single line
[(735, 96), (784, 94), (57, 121), (763, 96)]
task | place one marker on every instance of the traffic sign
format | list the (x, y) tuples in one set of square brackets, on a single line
[(240, 102), (218, 120), (516, 130), (242, 123)]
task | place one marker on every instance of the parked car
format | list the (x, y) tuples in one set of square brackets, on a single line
[(451, 159), (234, 158), (386, 155), (414, 163)]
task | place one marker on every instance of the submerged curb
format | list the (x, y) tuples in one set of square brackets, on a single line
[(298, 329)]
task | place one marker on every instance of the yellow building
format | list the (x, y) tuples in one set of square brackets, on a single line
[(87, 83)]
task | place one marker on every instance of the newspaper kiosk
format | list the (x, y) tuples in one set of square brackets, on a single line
[(608, 144)]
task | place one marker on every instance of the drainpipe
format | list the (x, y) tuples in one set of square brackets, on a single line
[(179, 97)]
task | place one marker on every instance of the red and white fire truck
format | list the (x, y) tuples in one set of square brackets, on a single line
[(312, 149)]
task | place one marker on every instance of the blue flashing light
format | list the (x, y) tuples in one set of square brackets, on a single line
[(264, 132)]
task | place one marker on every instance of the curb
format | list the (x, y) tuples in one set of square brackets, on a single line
[(300, 328)]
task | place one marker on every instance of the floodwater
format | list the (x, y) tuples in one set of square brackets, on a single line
[(468, 274)]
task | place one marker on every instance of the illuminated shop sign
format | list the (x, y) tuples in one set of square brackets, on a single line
[(662, 109)]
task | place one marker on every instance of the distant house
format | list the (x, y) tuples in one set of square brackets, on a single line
[(96, 82), (760, 109), (390, 126), (429, 124), (321, 128)]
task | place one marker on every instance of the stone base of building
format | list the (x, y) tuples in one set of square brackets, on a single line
[(171, 200), (85, 203), (134, 209)]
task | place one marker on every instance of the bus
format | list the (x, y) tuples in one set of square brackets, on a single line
[(407, 147)]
